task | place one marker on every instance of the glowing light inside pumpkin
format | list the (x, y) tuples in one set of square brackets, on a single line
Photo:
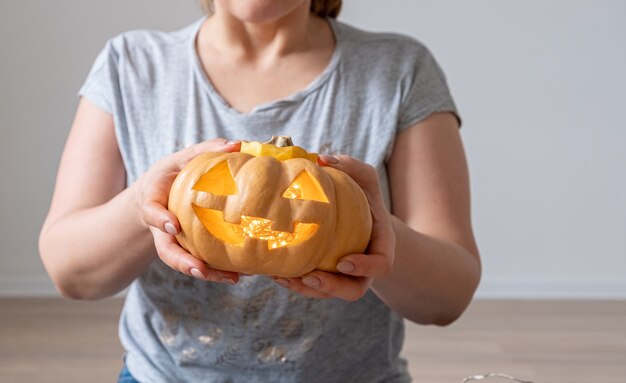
[(252, 227), (259, 228), (293, 192), (305, 187)]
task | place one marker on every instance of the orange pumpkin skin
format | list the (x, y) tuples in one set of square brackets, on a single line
[(261, 215)]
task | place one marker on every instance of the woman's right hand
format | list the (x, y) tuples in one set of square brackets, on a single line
[(152, 195)]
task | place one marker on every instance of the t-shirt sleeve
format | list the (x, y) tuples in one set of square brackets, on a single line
[(102, 86), (428, 94)]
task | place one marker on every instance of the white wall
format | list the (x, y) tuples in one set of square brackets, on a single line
[(541, 87), (46, 50)]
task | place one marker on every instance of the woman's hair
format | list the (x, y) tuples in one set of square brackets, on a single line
[(322, 8)]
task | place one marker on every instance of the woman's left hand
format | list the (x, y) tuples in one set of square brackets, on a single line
[(357, 271)]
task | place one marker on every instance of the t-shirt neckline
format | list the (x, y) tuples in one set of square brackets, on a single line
[(258, 110)]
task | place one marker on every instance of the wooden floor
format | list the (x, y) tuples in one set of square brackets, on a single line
[(53, 340)]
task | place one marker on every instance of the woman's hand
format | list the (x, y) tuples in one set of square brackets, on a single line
[(357, 270), (152, 196)]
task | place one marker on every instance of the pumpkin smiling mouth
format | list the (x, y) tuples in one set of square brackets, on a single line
[(252, 227)]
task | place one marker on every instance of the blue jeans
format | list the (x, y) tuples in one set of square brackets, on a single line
[(126, 377)]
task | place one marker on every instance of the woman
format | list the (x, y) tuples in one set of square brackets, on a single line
[(252, 69)]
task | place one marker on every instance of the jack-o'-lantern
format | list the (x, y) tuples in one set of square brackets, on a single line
[(269, 209)]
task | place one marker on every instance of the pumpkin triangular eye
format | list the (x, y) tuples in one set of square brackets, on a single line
[(219, 180), (305, 187)]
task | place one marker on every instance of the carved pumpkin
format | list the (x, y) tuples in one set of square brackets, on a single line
[(269, 210)]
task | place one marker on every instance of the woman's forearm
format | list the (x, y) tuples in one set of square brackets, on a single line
[(432, 281), (96, 252)]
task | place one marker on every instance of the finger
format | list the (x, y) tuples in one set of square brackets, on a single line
[(366, 177), (156, 215), (383, 239), (179, 259), (216, 145), (155, 196), (340, 286), (379, 260), (363, 174), (371, 265), (296, 285)]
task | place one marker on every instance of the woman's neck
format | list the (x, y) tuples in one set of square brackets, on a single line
[(251, 62), (255, 40)]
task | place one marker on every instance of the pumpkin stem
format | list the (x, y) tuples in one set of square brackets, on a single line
[(280, 141)]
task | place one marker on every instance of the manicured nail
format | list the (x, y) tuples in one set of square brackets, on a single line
[(311, 281), (233, 142), (197, 273), (329, 159), (170, 228), (346, 267), (283, 282)]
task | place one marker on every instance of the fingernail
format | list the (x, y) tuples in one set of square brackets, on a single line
[(329, 159), (228, 280), (283, 282), (233, 142), (197, 273), (170, 228), (346, 267), (311, 281)]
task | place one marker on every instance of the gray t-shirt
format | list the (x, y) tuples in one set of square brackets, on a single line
[(179, 329)]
